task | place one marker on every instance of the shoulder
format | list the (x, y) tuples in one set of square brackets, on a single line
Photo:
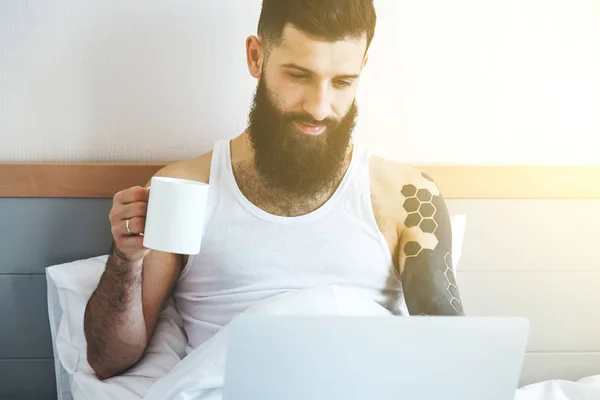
[(413, 198), (400, 180), (196, 169)]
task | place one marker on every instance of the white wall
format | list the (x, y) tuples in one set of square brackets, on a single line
[(465, 81)]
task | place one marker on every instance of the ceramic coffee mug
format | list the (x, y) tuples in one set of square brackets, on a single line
[(175, 216)]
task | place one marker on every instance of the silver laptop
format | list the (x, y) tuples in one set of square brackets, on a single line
[(374, 358)]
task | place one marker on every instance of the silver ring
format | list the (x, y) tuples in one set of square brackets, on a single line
[(127, 226)]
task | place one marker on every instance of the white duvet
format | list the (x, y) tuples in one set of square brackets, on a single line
[(200, 375), (584, 389)]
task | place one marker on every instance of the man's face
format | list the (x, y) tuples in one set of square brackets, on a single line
[(304, 111)]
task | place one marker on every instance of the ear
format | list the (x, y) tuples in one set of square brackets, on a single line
[(254, 56)]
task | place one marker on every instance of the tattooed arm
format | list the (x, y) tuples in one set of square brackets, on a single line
[(426, 251)]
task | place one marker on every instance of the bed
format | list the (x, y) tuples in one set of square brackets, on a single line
[(55, 219)]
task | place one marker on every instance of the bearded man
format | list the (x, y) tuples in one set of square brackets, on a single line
[(293, 202)]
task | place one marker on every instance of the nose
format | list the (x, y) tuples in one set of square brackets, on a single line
[(318, 103)]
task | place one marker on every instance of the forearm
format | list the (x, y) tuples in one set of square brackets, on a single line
[(430, 289), (114, 322)]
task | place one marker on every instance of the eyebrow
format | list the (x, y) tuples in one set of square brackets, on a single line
[(308, 71)]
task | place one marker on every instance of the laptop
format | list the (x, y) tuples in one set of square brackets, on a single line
[(374, 358)]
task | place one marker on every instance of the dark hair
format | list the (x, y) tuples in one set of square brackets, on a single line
[(327, 19)]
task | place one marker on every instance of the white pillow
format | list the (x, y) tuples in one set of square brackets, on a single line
[(459, 224), (70, 285)]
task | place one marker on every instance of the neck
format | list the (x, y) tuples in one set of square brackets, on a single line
[(271, 199)]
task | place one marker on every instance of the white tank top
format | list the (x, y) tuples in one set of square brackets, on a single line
[(248, 255)]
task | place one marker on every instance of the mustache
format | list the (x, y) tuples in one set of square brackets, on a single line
[(309, 120)]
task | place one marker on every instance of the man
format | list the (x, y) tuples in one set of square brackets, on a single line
[(293, 202)]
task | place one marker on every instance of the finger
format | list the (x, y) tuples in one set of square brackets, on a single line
[(132, 195), (136, 226), (131, 210)]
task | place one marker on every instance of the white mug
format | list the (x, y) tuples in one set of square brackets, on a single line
[(175, 216)]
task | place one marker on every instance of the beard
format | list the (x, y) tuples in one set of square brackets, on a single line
[(290, 160)]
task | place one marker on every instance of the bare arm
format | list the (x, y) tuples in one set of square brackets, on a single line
[(426, 252), (114, 321), (121, 313)]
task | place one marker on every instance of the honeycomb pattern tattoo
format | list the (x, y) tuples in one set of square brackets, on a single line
[(430, 242), (451, 288), (421, 211)]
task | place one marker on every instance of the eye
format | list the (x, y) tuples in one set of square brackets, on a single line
[(297, 76), (342, 84)]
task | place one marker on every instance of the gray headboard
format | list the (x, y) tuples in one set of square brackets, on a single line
[(36, 233)]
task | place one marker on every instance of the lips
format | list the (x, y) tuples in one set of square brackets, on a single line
[(310, 129)]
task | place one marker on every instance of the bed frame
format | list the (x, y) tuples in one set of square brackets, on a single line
[(101, 180), (57, 213)]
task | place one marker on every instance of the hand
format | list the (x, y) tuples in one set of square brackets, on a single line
[(129, 205)]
